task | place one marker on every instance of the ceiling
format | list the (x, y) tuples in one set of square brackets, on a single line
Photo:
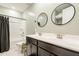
[(17, 6)]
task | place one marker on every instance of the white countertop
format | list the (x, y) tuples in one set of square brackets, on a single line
[(68, 41)]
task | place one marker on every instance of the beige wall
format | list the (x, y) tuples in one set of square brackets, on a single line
[(30, 24), (70, 28)]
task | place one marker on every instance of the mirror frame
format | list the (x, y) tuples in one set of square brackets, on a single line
[(69, 20), (46, 17)]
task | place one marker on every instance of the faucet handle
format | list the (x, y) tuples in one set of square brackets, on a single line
[(59, 36)]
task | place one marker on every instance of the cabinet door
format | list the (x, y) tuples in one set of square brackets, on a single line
[(34, 50), (42, 52), (29, 46)]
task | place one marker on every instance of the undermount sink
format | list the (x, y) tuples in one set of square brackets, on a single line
[(65, 38), (48, 35)]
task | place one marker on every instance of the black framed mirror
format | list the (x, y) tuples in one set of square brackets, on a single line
[(42, 19), (63, 14)]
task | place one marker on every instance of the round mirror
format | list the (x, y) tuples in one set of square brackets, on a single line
[(42, 19), (63, 14)]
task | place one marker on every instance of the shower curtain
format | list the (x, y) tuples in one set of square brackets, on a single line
[(4, 34)]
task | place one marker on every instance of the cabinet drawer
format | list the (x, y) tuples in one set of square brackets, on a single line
[(28, 40), (56, 50), (34, 41), (31, 40)]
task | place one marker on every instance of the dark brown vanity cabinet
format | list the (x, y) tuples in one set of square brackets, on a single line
[(40, 48), (56, 50)]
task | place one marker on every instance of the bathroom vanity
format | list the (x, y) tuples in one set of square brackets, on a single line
[(49, 45)]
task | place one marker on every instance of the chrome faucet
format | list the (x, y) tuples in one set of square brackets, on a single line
[(39, 34)]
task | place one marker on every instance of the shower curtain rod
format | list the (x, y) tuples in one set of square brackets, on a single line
[(12, 17)]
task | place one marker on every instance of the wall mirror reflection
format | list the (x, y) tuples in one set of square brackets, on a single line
[(42, 19), (63, 14)]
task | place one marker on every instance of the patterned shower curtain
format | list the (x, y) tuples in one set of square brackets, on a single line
[(4, 34)]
